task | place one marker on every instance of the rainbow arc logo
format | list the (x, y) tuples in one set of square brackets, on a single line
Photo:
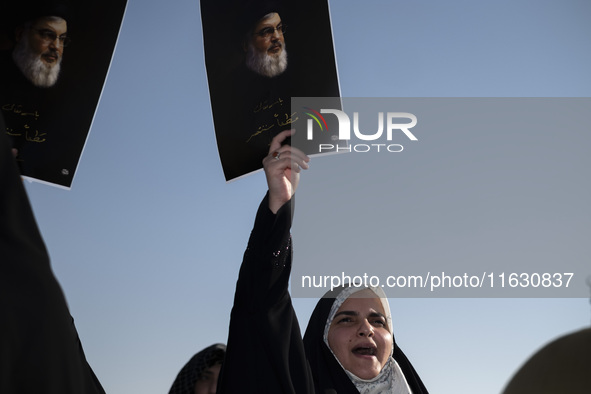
[(317, 117)]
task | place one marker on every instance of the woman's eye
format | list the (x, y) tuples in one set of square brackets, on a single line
[(344, 320), (379, 323)]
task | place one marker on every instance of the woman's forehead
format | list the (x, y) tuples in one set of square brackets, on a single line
[(362, 301)]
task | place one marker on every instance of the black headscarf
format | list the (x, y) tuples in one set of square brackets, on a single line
[(329, 376), (194, 368)]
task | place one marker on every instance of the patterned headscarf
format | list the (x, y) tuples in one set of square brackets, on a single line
[(194, 368)]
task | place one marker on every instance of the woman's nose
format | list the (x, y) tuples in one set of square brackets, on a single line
[(365, 329)]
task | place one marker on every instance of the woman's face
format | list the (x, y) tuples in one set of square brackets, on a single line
[(359, 336)]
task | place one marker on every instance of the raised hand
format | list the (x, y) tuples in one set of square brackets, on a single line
[(282, 168)]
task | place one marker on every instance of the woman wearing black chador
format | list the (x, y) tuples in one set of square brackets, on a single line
[(348, 347)]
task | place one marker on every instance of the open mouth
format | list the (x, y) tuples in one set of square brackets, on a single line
[(365, 351)]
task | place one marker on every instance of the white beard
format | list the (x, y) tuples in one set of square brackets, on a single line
[(265, 64), (33, 68)]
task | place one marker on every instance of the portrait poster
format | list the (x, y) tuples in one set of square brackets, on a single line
[(54, 60), (258, 55)]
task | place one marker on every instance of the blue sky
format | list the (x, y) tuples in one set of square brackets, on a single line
[(148, 242)]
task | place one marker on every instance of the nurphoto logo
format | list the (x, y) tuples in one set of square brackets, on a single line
[(394, 124)]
